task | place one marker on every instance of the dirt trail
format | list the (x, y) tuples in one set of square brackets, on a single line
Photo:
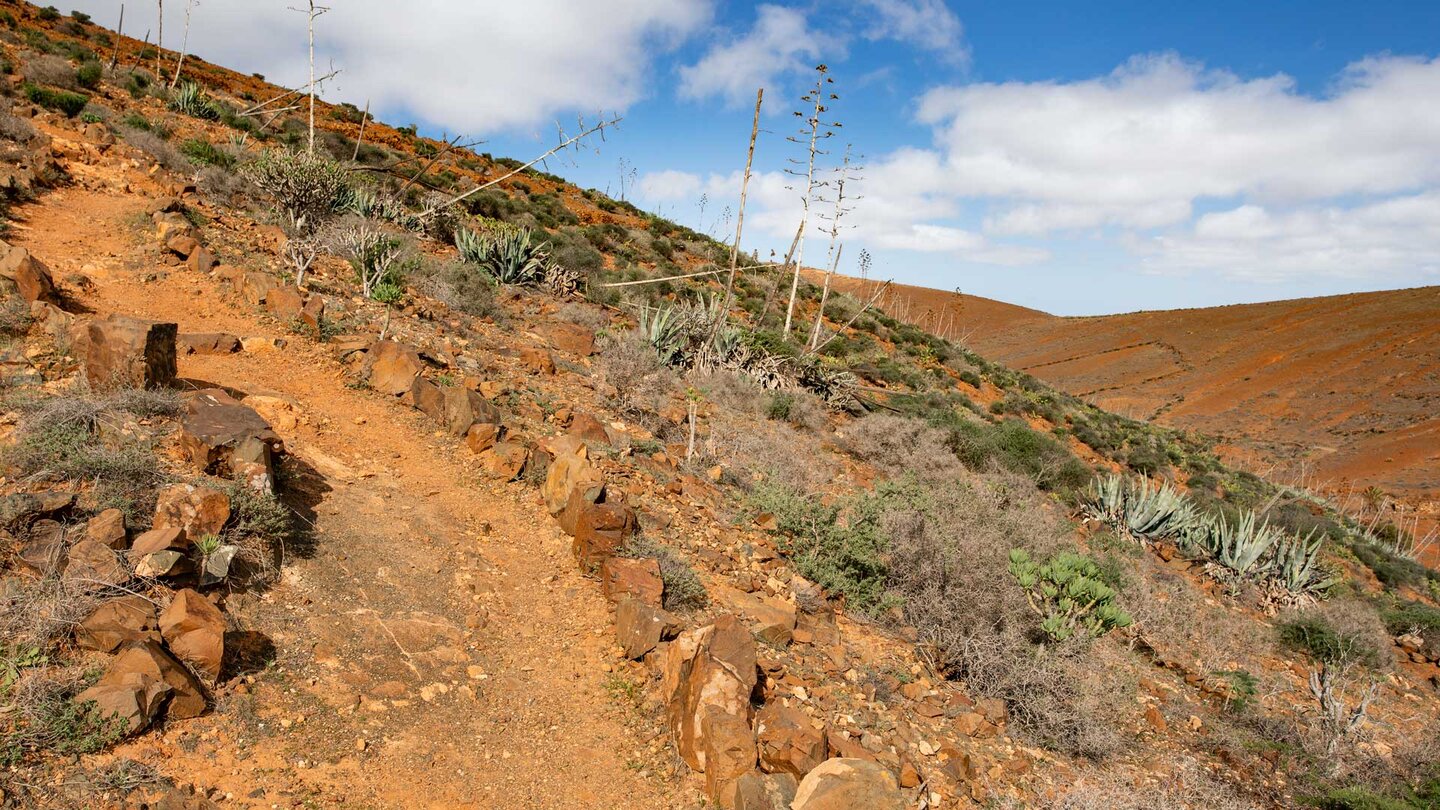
[(436, 647)]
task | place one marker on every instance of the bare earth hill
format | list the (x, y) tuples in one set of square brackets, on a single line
[(1342, 390)]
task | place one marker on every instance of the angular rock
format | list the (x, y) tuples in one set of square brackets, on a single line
[(197, 511), (601, 529), (285, 302), (23, 507), (45, 549), (621, 577), (170, 224), (789, 743), (571, 338), (168, 563), (164, 538), (195, 632), (216, 566), (505, 460), (570, 483), (26, 275), (427, 398), (202, 261), (147, 672), (537, 360), (182, 245), (132, 698), (108, 528), (223, 437), (848, 784), (729, 753), (482, 436), (464, 408), (640, 627), (764, 791), (774, 619), (707, 670), (589, 430), (255, 287), (120, 351), (391, 367), (117, 622), (208, 343), (95, 565)]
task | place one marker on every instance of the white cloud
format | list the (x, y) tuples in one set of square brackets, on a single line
[(781, 43), (1398, 237), (469, 67), (670, 186), (1140, 147), (926, 23)]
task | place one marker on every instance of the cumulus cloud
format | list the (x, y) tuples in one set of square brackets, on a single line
[(670, 186), (1138, 148), (780, 43), (470, 67), (930, 24)]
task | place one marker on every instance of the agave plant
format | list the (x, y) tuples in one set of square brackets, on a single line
[(1067, 593), (662, 328), (193, 101), (1243, 547), (1295, 564), (507, 254), (1144, 511)]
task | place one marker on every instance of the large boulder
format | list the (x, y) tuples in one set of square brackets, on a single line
[(571, 338), (226, 438), (463, 408), (601, 529), (729, 754), (708, 670), (26, 275), (848, 784), (762, 791), (195, 631), (117, 622), (119, 351), (789, 742), (571, 479), (91, 565), (391, 367)]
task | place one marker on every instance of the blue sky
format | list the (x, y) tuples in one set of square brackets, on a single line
[(1080, 158)]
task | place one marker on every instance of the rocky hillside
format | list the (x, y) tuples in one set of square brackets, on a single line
[(318, 493)]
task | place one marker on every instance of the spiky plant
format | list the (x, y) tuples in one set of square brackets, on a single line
[(1243, 547), (1140, 509), (507, 254), (1066, 592), (1295, 564), (189, 99)]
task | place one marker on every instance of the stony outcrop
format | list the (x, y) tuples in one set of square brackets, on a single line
[(848, 784), (391, 367), (622, 577), (25, 275), (117, 622), (197, 511), (226, 438), (789, 741), (640, 627), (708, 676), (119, 351), (141, 682), (195, 632)]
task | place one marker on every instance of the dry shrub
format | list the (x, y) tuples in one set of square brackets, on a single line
[(157, 148), (756, 449), (14, 128), (41, 717), (1340, 632), (898, 445), (1188, 786), (47, 69), (40, 611), (458, 286), (586, 315), (1185, 628), (642, 386), (949, 562)]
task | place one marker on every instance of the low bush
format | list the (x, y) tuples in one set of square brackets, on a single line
[(683, 588), (88, 75), (308, 188), (1013, 446), (1337, 634), (68, 103), (193, 101), (205, 153)]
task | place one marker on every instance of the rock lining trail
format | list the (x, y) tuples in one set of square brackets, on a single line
[(435, 645)]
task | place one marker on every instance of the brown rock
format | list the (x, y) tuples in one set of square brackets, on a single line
[(774, 619), (788, 741), (23, 507), (589, 430), (537, 360), (223, 437), (255, 287), (909, 777), (195, 631), (763, 791), (970, 723), (197, 511), (464, 409), (137, 684), (482, 436), (600, 530), (391, 367), (95, 565), (845, 747), (993, 709), (505, 460), (202, 261), (117, 622), (427, 398), (108, 528), (570, 483), (1155, 718), (707, 670), (848, 784), (44, 551), (208, 343), (729, 752), (122, 351), (26, 275), (182, 245), (166, 563), (640, 627), (285, 302), (621, 577), (570, 338)]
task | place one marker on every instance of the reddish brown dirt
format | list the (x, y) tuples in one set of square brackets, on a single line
[(436, 648), (1342, 390)]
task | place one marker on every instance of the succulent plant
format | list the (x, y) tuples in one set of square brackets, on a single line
[(1067, 593), (191, 100), (1141, 509), (1243, 548)]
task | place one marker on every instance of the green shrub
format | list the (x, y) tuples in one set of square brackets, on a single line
[(205, 153), (308, 187), (1013, 446), (88, 75), (781, 403), (683, 588), (54, 724), (1319, 638), (191, 100), (48, 14), (80, 17), (68, 103)]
